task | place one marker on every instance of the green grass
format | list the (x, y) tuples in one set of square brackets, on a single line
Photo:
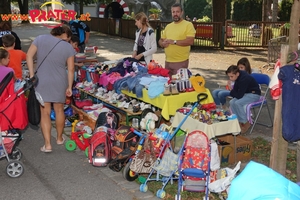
[(261, 153)]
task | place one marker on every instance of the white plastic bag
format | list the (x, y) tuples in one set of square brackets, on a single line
[(215, 158), (223, 184)]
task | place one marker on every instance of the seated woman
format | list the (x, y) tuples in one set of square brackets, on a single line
[(220, 95), (246, 90)]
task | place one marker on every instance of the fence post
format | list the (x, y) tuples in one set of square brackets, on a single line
[(121, 28), (222, 38)]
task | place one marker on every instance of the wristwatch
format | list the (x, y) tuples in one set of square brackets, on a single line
[(175, 42)]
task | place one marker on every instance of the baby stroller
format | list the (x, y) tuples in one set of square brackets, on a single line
[(13, 118)]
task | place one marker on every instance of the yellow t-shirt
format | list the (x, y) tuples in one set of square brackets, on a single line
[(175, 53)]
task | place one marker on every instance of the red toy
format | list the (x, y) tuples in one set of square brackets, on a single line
[(79, 138)]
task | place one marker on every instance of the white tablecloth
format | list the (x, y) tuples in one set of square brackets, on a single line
[(212, 130)]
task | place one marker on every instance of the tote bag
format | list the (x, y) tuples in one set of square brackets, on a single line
[(142, 163), (33, 108)]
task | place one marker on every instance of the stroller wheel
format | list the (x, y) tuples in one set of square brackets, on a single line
[(16, 154), (128, 174), (161, 193), (143, 187), (70, 145), (14, 169)]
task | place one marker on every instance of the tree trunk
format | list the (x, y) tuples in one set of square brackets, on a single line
[(5, 7), (293, 42), (278, 156), (81, 7), (275, 11), (23, 6), (294, 28), (266, 10), (298, 158), (219, 11), (279, 145)]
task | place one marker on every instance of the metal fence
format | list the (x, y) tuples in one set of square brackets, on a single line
[(213, 35), (253, 33)]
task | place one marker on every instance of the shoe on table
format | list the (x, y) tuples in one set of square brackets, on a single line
[(174, 90), (167, 90)]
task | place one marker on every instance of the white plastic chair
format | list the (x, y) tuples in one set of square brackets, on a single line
[(262, 80)]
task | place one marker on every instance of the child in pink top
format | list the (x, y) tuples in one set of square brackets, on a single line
[(4, 59)]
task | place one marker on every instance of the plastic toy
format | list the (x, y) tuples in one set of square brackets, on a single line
[(79, 138), (162, 133)]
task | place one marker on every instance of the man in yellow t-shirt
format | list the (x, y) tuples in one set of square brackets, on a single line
[(177, 39)]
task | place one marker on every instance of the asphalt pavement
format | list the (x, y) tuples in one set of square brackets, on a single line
[(63, 175)]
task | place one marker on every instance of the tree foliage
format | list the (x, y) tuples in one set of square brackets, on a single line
[(250, 10), (285, 10), (197, 8), (84, 2)]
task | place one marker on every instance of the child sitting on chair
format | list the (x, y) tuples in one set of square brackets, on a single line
[(220, 95), (245, 90)]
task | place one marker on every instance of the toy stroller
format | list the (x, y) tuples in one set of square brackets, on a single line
[(13, 118), (167, 161), (194, 165)]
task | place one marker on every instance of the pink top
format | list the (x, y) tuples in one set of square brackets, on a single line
[(4, 71)]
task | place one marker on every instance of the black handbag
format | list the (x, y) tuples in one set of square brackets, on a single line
[(33, 108)]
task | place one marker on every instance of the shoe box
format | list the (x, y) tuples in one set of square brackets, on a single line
[(231, 151)]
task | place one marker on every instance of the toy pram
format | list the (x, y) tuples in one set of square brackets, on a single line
[(13, 118)]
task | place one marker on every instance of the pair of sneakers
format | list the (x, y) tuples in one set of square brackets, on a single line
[(100, 91), (170, 89)]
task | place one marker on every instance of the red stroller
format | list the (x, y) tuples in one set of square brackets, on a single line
[(13, 118)]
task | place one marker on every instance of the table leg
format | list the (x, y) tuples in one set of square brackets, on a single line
[(234, 149)]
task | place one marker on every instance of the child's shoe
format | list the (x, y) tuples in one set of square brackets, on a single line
[(167, 90)]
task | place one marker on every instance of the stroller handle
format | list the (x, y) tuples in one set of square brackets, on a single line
[(201, 97)]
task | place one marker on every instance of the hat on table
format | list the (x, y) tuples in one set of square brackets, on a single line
[(198, 83)]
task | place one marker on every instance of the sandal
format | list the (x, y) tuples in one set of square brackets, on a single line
[(62, 142), (43, 149)]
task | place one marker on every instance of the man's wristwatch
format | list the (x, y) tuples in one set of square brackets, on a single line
[(175, 42)]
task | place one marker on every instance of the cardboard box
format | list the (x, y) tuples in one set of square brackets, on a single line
[(242, 149)]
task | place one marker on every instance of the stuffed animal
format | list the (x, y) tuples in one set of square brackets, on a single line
[(148, 122)]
